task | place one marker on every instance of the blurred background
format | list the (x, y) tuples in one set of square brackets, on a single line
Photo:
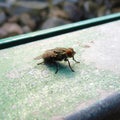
[(23, 16)]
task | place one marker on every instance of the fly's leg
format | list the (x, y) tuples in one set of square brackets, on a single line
[(75, 60), (69, 65), (40, 63), (57, 67)]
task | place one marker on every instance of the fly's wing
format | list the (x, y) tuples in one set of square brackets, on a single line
[(59, 50), (51, 53), (38, 57)]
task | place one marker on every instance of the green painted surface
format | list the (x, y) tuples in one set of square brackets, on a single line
[(31, 92)]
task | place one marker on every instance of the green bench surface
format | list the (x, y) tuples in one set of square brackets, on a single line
[(32, 92)]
